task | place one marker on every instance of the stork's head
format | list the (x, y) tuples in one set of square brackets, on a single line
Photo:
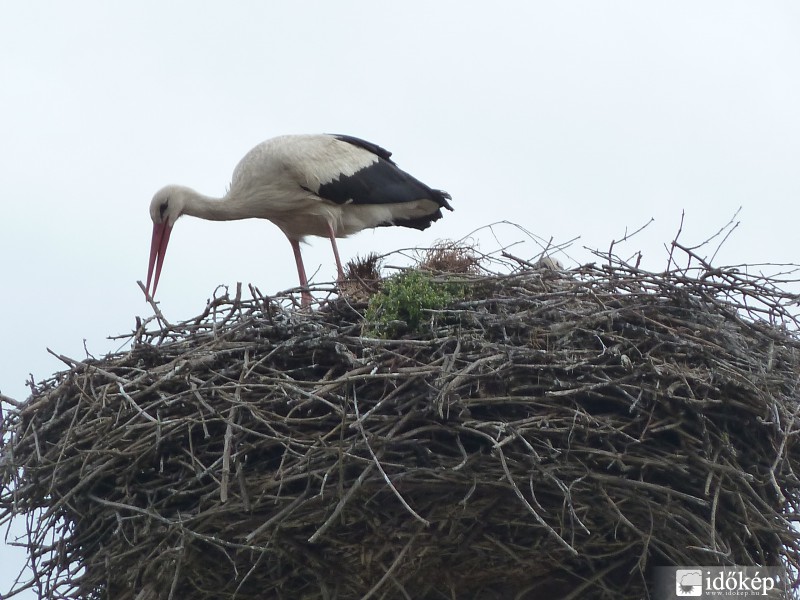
[(168, 204)]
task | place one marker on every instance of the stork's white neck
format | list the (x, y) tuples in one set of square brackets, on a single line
[(227, 208)]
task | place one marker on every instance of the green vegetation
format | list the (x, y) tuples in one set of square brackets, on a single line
[(403, 300)]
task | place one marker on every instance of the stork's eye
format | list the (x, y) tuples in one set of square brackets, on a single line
[(163, 209)]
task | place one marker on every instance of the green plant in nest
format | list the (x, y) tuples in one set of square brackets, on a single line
[(403, 300)]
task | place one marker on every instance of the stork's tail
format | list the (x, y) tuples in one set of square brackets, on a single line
[(441, 197)]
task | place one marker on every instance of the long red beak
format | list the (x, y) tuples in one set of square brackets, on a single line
[(158, 249)]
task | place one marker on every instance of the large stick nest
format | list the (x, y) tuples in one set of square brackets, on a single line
[(547, 434)]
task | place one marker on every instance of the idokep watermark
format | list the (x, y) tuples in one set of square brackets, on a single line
[(720, 582)]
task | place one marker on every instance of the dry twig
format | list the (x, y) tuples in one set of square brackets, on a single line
[(555, 433)]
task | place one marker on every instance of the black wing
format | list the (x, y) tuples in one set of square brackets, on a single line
[(374, 148), (381, 182)]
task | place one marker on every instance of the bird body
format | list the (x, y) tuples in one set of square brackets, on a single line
[(320, 185)]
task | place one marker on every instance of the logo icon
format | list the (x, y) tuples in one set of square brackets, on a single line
[(688, 582)]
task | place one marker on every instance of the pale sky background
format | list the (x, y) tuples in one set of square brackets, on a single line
[(573, 118)]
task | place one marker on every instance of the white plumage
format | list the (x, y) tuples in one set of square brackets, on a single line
[(322, 185)]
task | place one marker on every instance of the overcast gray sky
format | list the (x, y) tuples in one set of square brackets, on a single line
[(578, 118)]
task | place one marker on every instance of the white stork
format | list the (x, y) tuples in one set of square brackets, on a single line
[(324, 185)]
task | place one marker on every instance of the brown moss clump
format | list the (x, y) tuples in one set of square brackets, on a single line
[(362, 277), (547, 435), (450, 257)]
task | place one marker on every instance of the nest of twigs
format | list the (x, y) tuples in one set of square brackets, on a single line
[(548, 434)]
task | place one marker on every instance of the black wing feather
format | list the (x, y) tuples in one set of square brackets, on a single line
[(382, 182), (369, 146)]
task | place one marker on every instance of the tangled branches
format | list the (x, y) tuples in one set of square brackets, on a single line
[(548, 434)]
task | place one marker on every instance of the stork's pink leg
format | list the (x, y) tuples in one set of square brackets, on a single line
[(332, 236), (305, 295)]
